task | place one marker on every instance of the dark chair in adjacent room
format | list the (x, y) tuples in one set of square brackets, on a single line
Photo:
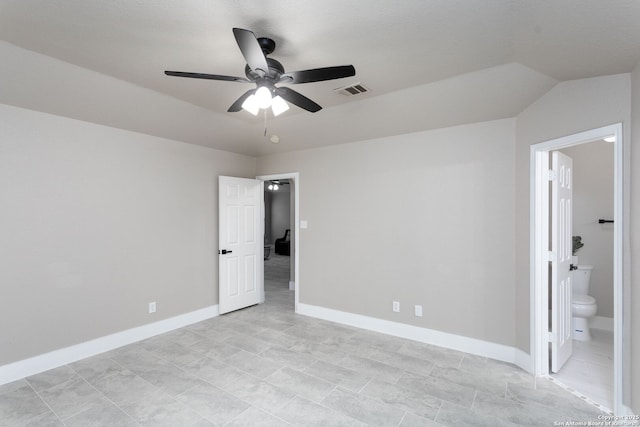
[(283, 244)]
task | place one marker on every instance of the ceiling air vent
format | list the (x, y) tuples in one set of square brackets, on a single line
[(351, 90)]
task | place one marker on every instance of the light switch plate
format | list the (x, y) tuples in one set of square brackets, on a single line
[(303, 223), (418, 310), (396, 306)]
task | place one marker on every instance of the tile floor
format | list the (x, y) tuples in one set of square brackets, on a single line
[(267, 366), (589, 371)]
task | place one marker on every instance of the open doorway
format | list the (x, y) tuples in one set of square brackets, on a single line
[(545, 338), (278, 220), (589, 369), (281, 210)]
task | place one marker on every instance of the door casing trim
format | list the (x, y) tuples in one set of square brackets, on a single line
[(539, 235)]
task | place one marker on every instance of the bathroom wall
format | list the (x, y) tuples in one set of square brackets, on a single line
[(592, 200)]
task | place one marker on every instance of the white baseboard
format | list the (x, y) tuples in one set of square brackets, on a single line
[(415, 333), (524, 361), (292, 285), (44, 362), (603, 323), (627, 412)]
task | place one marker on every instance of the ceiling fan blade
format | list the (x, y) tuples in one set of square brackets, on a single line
[(251, 50), (297, 99), (319, 74), (237, 106), (207, 76)]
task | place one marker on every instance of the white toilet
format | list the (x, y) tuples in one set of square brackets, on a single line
[(583, 306)]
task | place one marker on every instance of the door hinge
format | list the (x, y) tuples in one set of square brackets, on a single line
[(551, 256), (551, 175), (551, 337)]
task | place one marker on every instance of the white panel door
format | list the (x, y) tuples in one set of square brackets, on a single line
[(561, 246), (241, 242)]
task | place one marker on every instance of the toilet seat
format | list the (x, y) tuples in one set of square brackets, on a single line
[(582, 299)]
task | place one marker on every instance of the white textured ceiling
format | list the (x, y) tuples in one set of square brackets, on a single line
[(428, 63)]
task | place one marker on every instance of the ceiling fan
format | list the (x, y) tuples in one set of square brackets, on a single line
[(266, 73)]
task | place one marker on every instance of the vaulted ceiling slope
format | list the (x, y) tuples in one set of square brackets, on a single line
[(428, 63)]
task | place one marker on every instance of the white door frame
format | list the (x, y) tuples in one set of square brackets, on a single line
[(295, 179), (539, 227)]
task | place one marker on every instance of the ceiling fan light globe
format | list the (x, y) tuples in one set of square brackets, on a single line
[(263, 97), (275, 187), (251, 105), (279, 106)]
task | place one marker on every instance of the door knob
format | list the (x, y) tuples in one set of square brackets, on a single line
[(573, 267), (224, 252)]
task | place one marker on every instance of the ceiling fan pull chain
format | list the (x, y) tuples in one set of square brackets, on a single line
[(265, 123)]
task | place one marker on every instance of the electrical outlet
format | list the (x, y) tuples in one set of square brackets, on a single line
[(396, 306), (419, 310), (152, 307)]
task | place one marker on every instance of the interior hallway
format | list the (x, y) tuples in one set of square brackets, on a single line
[(266, 365)]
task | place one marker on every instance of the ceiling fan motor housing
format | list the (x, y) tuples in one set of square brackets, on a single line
[(267, 45), (275, 70)]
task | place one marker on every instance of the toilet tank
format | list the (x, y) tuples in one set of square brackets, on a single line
[(580, 279)]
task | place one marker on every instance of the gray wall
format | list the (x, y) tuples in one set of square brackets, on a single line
[(592, 200), (280, 212), (96, 223), (569, 108), (443, 238), (268, 239)]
